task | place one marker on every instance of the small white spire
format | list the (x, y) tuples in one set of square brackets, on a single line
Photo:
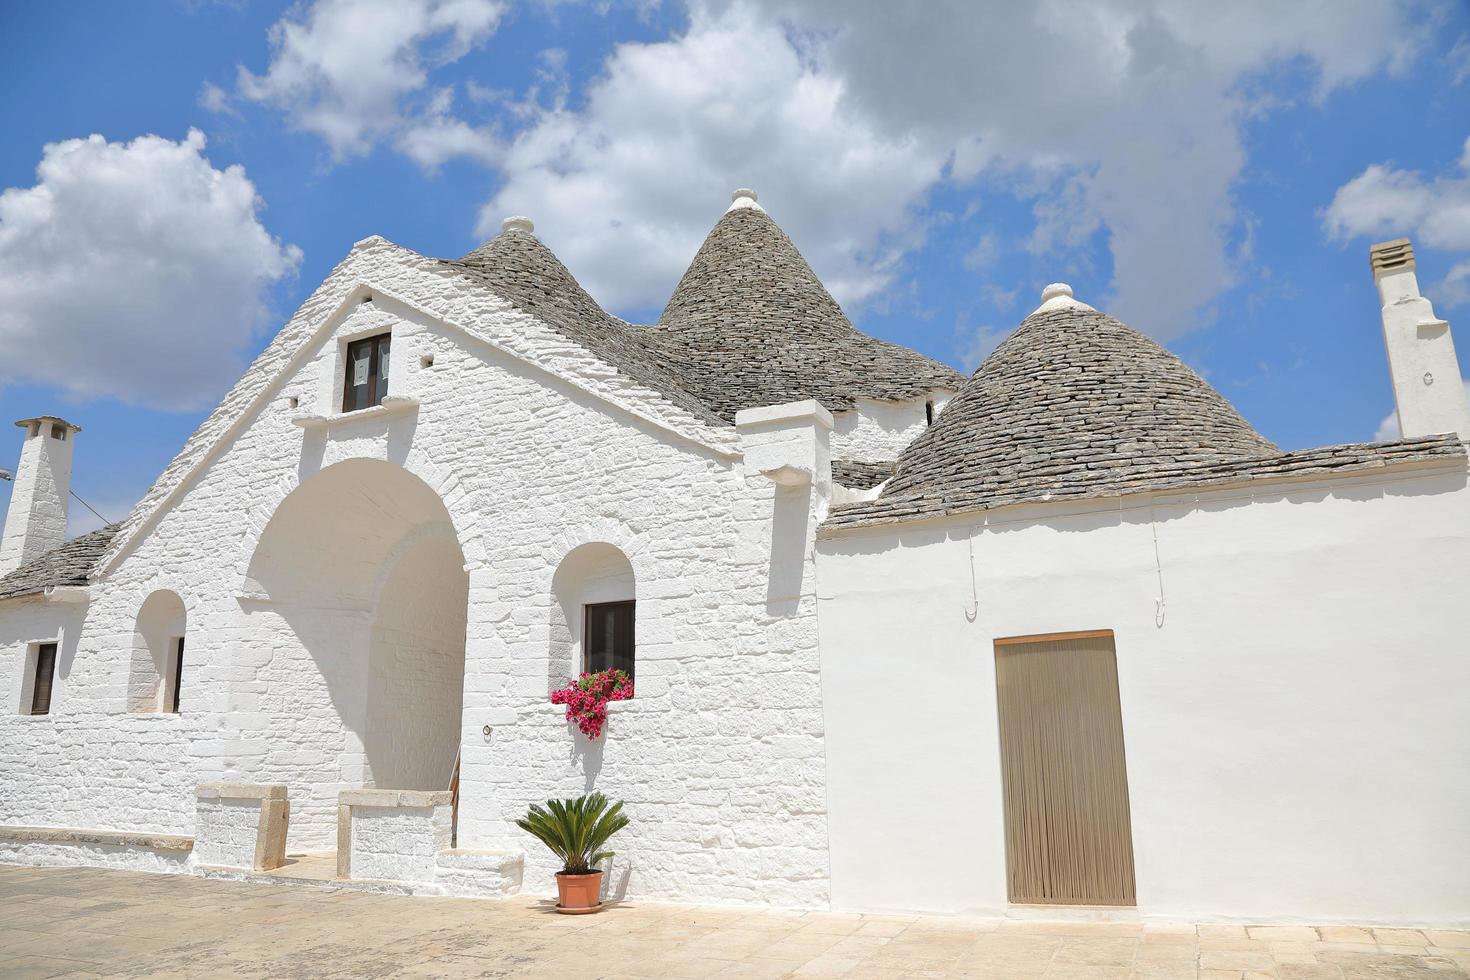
[(1058, 296), (518, 222), (744, 198)]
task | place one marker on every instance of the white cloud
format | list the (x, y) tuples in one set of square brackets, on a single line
[(437, 137), (1116, 116), (1388, 430), (1386, 201), (134, 270), (342, 68), (626, 188)]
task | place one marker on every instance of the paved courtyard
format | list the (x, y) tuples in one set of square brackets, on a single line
[(81, 923)]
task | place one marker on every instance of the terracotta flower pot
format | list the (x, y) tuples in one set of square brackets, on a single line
[(579, 894)]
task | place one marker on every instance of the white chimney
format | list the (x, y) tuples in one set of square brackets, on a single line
[(36, 520), (1421, 352)]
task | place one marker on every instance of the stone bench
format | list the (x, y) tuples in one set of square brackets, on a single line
[(241, 825), (108, 838), (392, 834), (95, 848)]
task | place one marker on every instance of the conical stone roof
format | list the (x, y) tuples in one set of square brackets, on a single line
[(750, 324), (516, 266), (1072, 404)]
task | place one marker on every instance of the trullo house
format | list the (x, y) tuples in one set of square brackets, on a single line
[(1069, 632)]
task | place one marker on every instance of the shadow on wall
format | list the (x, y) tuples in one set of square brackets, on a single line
[(593, 572), (400, 431), (588, 753), (353, 652), (790, 521), (1091, 514), (161, 622)]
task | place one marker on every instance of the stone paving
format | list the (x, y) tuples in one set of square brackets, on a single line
[(88, 923)]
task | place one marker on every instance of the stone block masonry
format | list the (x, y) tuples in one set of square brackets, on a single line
[(392, 835), (241, 825), (534, 448)]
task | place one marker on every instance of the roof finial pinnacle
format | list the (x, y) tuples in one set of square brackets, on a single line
[(1058, 296), (517, 222), (744, 197)]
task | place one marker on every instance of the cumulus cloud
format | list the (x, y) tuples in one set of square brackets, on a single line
[(626, 186), (342, 69), (1120, 119), (1385, 202), (136, 271), (437, 137)]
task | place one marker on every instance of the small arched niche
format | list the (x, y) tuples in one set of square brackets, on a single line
[(158, 652), (593, 612)]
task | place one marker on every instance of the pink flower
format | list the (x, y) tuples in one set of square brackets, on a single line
[(587, 698)]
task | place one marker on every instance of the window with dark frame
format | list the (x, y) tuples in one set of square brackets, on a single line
[(608, 636), (366, 380), (176, 669), (45, 673)]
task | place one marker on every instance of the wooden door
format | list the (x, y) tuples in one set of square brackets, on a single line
[(1069, 838)]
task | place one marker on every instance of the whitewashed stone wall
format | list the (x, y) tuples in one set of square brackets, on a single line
[(877, 431), (398, 843), (70, 855), (225, 832), (533, 449), (1293, 717)]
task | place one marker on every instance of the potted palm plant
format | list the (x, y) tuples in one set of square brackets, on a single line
[(576, 831)]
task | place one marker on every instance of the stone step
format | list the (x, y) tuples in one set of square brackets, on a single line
[(486, 873)]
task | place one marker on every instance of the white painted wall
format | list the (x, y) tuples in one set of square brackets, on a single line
[(1296, 735), (876, 431), (532, 449), (417, 668)]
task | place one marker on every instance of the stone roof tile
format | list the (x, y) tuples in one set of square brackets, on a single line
[(66, 564), (857, 474), (750, 325), (1075, 404)]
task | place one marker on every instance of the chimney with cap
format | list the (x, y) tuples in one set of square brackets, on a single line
[(36, 520), (1421, 351)]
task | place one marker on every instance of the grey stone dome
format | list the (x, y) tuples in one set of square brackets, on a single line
[(751, 324), (1072, 404)]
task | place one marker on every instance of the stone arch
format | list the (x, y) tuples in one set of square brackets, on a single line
[(358, 598), (594, 572), (158, 632), (441, 479)]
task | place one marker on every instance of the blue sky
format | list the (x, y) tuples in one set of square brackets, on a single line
[(178, 176)]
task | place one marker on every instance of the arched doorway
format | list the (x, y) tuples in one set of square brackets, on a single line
[(357, 597)]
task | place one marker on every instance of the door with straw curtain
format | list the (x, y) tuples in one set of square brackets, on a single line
[(1069, 838)]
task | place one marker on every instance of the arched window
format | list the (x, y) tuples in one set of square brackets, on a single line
[(156, 676), (594, 613)]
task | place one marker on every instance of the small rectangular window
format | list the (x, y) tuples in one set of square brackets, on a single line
[(176, 674), (929, 412), (608, 636), (45, 672), (366, 380)]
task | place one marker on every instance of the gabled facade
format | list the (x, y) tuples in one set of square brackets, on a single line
[(448, 485)]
